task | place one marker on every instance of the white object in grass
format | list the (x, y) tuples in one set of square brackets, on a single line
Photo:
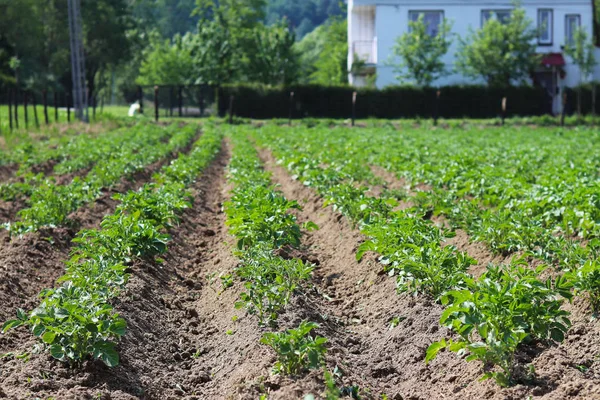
[(134, 109)]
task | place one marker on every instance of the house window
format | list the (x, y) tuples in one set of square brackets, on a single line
[(501, 15), (432, 20), (572, 23), (545, 26)]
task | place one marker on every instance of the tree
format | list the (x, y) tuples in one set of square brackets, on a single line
[(224, 37), (331, 67), (168, 62), (581, 51), (421, 53), (273, 60), (304, 16), (500, 53)]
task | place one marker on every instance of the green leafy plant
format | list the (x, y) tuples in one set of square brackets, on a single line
[(506, 307), (296, 349), (586, 279)]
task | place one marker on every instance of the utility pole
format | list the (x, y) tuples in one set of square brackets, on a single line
[(80, 96)]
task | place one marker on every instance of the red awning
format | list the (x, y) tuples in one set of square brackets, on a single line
[(553, 60)]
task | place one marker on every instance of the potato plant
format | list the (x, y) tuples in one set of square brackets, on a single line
[(260, 217)]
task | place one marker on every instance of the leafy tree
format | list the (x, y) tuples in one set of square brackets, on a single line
[(169, 17), (168, 62), (500, 52), (331, 68), (224, 36), (309, 50), (273, 59), (581, 51), (421, 53), (304, 16)]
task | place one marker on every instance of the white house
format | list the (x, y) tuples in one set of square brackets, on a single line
[(374, 25)]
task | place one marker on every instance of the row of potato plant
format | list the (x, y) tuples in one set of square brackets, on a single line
[(76, 153), (29, 148), (50, 204), (260, 217), (493, 315), (76, 320)]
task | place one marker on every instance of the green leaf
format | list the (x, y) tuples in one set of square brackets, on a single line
[(106, 352), (434, 349), (57, 351), (11, 324), (49, 337)]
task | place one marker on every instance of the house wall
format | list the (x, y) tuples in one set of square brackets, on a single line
[(391, 21)]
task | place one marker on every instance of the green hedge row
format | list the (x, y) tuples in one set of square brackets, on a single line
[(316, 101)]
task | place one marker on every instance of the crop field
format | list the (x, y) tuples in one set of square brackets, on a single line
[(312, 261)]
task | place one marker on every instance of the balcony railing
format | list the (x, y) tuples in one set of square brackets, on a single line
[(366, 50)]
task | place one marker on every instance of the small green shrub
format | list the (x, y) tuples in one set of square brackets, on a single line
[(296, 349)]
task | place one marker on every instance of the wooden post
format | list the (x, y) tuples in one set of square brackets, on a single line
[(10, 116), (93, 107), (353, 107), (171, 101), (141, 99), (564, 109), (180, 101), (16, 97), (55, 106), (593, 103), (231, 109), (68, 107), (200, 101), (25, 113), (45, 100), (156, 103), (291, 108), (436, 107), (503, 110), (35, 113)]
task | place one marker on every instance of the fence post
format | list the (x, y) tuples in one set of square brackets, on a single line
[(436, 107), (171, 101), (68, 107), (291, 108), (180, 101), (35, 113), (141, 99), (353, 107), (200, 101), (156, 103), (16, 92), (503, 110), (45, 100), (593, 103), (10, 116), (564, 109), (55, 106), (25, 113), (231, 109)]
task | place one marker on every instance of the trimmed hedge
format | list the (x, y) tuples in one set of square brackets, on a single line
[(315, 101)]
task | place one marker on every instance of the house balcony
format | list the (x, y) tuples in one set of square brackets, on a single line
[(365, 51)]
